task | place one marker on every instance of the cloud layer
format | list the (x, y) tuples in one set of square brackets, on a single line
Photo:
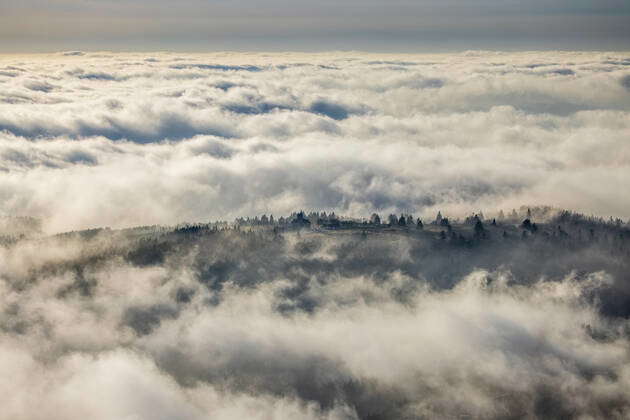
[(155, 324), (125, 139)]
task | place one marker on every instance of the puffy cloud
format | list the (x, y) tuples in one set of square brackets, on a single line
[(122, 139), (122, 384), (236, 325)]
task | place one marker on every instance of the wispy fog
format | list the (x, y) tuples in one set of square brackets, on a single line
[(156, 323)]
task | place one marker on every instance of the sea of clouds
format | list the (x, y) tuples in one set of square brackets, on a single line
[(233, 325), (95, 139)]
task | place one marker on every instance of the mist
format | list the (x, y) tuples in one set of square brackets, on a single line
[(267, 321)]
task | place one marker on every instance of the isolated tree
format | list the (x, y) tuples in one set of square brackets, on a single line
[(392, 220), (438, 218), (419, 224), (375, 219), (402, 221), (409, 220)]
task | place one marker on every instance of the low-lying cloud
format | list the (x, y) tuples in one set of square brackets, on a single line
[(100, 139), (153, 323)]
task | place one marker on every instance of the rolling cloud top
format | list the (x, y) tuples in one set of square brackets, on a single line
[(104, 139)]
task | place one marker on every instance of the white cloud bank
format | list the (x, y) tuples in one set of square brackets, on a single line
[(489, 348), (125, 139)]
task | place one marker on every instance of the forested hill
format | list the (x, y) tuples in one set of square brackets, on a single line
[(232, 304), (302, 248)]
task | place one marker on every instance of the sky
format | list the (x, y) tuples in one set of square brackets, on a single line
[(279, 25)]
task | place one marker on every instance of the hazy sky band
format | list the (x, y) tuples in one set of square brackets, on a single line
[(35, 25)]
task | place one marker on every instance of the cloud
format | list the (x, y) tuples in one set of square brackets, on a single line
[(130, 386), (98, 76), (218, 67), (329, 109), (39, 86), (201, 137), (237, 324)]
